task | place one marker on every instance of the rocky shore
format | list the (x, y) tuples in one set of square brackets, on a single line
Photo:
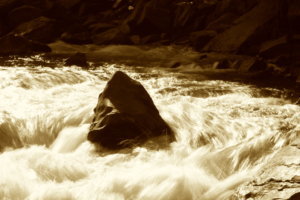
[(250, 35)]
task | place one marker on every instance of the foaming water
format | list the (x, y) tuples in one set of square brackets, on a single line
[(225, 132)]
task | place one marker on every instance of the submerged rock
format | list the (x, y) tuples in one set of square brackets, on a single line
[(78, 59), (126, 115)]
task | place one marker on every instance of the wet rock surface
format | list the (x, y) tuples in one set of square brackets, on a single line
[(278, 179), (126, 115)]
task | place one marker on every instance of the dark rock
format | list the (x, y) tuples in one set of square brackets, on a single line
[(7, 5), (175, 64), (60, 13), (125, 115), (22, 14), (75, 31), (186, 16), (41, 29), (152, 38), (16, 45), (203, 57), (295, 72), (78, 59), (234, 6), (294, 16), (222, 23), (282, 51), (252, 64), (76, 38), (41, 4), (155, 39), (118, 35), (68, 3), (3, 28), (135, 39), (95, 6), (151, 18), (295, 196), (98, 27), (271, 47), (233, 38), (201, 38), (222, 64)]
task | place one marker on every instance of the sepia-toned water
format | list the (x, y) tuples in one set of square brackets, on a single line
[(225, 131)]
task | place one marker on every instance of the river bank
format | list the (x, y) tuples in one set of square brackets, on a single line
[(247, 36)]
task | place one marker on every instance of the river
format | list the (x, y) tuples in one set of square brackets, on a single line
[(225, 132)]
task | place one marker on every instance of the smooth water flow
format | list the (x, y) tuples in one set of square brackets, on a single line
[(225, 131)]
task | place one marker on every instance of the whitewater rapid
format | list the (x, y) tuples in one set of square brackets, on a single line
[(225, 131)]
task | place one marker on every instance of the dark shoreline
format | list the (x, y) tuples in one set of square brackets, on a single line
[(250, 35)]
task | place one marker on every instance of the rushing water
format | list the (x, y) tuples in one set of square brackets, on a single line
[(225, 131)]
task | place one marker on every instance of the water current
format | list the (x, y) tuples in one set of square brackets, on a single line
[(225, 131)]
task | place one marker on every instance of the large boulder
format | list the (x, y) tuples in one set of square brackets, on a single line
[(282, 51), (222, 23), (41, 29), (16, 45), (126, 115), (201, 38), (117, 35), (76, 34), (22, 14), (244, 27), (152, 16)]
